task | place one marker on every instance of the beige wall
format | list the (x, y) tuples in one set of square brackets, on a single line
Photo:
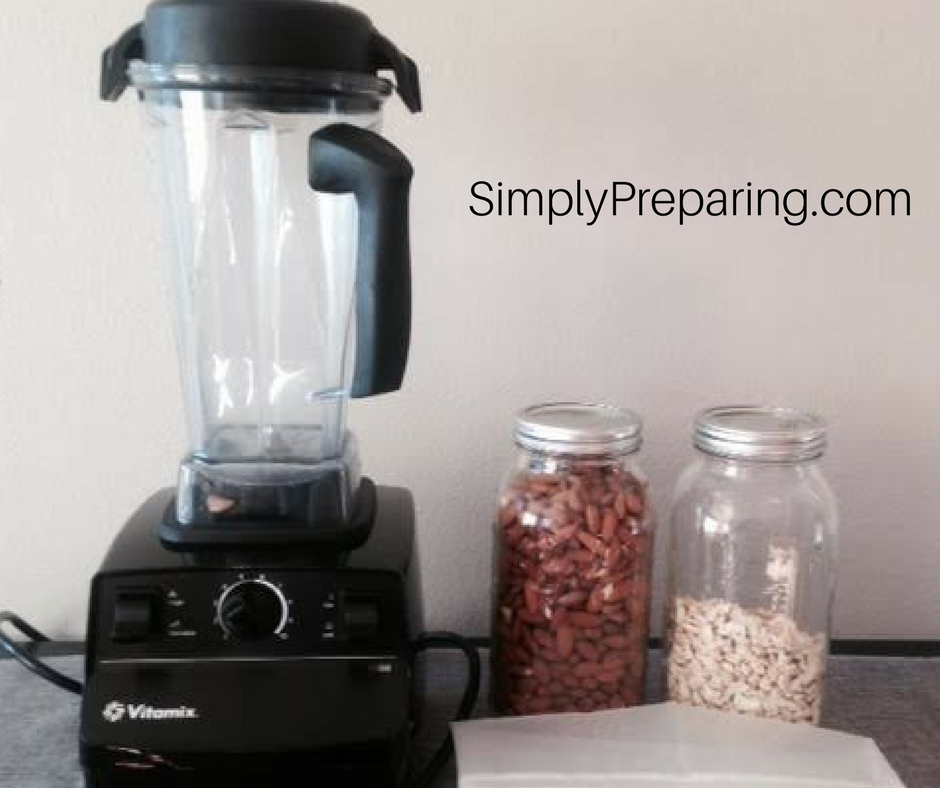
[(840, 315)]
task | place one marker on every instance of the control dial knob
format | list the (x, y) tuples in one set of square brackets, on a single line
[(252, 610)]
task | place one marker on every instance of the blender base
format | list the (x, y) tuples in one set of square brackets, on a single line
[(279, 667)]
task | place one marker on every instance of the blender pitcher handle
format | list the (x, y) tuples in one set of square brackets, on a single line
[(347, 159)]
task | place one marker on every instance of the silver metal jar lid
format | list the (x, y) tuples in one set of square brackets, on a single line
[(578, 428), (760, 433)]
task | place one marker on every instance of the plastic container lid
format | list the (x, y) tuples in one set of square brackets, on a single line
[(760, 433), (182, 40), (578, 428)]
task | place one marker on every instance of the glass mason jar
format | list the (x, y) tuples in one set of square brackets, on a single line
[(752, 566), (573, 553)]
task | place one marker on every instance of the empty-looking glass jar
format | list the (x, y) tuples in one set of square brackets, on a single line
[(573, 552), (752, 566)]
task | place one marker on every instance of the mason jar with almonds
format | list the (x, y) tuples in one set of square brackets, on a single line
[(573, 555)]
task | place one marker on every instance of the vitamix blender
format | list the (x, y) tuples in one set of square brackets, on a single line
[(252, 625)]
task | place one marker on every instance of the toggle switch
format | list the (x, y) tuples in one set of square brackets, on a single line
[(361, 617), (135, 614)]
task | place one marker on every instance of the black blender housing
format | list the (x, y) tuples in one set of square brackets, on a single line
[(272, 54)]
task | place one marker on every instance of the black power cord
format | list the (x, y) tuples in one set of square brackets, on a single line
[(29, 660), (429, 641)]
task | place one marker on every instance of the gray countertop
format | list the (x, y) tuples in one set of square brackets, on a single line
[(892, 700)]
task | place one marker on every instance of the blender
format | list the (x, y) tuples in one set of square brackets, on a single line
[(253, 625)]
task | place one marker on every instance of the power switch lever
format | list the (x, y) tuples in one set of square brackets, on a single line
[(361, 617), (135, 614)]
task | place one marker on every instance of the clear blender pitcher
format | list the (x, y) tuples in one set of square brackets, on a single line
[(288, 219)]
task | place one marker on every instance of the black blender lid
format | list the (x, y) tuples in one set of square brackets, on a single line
[(294, 35)]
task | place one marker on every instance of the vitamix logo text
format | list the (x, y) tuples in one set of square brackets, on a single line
[(116, 711)]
